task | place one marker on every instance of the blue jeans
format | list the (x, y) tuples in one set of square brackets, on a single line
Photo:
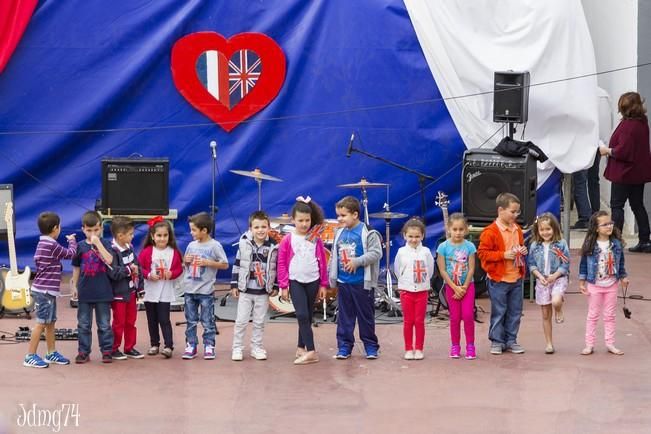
[(581, 199), (506, 310), (193, 314), (103, 320)]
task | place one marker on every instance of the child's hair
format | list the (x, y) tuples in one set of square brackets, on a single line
[(120, 225), (455, 217), (47, 221), (591, 237), (416, 223), (308, 206), (171, 241), (504, 200), (258, 215), (350, 203), (90, 219), (550, 219), (202, 220)]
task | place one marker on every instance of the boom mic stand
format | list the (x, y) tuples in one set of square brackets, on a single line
[(422, 177)]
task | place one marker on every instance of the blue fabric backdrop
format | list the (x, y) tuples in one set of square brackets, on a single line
[(85, 66)]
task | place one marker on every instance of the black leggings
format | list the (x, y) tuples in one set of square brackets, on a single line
[(158, 314), (303, 296)]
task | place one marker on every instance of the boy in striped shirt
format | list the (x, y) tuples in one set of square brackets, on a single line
[(46, 288)]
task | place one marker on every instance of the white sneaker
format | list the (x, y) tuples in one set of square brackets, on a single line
[(237, 355), (259, 353), (418, 355), (409, 355)]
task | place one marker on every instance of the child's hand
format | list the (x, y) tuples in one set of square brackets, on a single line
[(542, 279), (583, 287), (140, 294), (235, 293), (188, 259), (624, 281), (71, 237), (134, 269), (167, 275), (350, 267), (94, 240), (551, 278), (523, 250), (273, 293), (509, 254), (322, 293), (75, 294), (202, 262), (153, 276), (284, 294)]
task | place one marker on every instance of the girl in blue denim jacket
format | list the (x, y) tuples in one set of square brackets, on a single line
[(549, 261), (600, 272)]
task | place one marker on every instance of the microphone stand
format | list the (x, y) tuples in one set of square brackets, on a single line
[(422, 177)]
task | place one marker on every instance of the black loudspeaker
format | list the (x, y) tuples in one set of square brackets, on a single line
[(511, 97), (486, 174), (135, 186)]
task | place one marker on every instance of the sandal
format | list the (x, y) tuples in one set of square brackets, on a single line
[(614, 350), (560, 318), (307, 358), (587, 351)]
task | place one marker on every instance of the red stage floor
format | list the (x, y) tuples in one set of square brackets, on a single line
[(532, 393)]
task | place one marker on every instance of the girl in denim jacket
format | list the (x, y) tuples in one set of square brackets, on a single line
[(600, 271), (549, 261)]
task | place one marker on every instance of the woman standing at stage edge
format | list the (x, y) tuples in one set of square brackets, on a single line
[(629, 160)]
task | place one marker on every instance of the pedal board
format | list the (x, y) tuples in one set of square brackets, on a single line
[(24, 334)]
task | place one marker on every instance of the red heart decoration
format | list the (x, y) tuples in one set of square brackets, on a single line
[(186, 52)]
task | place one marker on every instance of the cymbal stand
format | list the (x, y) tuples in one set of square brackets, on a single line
[(365, 205), (259, 181), (389, 276)]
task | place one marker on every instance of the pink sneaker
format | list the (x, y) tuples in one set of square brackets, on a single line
[(455, 351), (471, 354)]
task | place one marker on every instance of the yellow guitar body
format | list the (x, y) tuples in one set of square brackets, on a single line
[(16, 295)]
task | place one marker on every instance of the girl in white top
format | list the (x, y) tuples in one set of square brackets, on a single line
[(414, 266), (161, 263)]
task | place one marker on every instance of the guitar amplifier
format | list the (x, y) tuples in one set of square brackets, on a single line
[(135, 186), (6, 196)]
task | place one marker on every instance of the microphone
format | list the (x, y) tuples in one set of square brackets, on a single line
[(213, 146), (350, 145)]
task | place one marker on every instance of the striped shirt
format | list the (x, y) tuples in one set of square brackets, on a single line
[(48, 258)]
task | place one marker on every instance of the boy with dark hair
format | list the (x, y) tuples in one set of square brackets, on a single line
[(46, 289), (354, 267), (502, 254), (203, 257), (125, 291), (94, 266), (253, 280)]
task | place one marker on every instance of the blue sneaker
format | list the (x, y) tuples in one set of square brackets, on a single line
[(342, 354), (372, 353), (34, 361), (56, 357)]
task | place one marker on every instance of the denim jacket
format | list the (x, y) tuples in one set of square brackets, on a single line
[(536, 258), (590, 263)]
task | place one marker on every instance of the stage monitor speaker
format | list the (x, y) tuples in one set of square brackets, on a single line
[(6, 196), (486, 174), (511, 97), (135, 186)]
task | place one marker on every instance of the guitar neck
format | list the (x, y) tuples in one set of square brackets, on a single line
[(444, 210), (13, 263)]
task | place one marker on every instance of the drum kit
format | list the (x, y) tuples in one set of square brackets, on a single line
[(281, 225)]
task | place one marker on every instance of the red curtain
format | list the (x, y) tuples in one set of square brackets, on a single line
[(14, 16)]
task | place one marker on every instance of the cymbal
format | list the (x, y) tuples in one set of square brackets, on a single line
[(388, 215), (363, 183), (284, 219), (257, 174)]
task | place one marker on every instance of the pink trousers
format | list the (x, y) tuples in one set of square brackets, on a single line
[(463, 309), (602, 300)]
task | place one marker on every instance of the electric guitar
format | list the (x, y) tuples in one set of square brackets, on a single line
[(16, 295), (438, 284), (442, 202)]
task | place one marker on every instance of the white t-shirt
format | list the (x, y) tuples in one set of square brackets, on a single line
[(160, 290), (304, 267), (603, 278)]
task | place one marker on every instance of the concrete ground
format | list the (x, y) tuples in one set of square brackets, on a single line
[(533, 393)]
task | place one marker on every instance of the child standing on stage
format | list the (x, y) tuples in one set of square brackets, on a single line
[(302, 271), (161, 263), (502, 255), (354, 267), (94, 266), (600, 272), (203, 257), (253, 280), (549, 261), (414, 266), (46, 289), (125, 291), (456, 263)]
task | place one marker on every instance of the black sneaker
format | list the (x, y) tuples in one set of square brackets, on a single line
[(134, 354), (641, 247), (106, 358), (82, 358), (118, 355), (579, 225)]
